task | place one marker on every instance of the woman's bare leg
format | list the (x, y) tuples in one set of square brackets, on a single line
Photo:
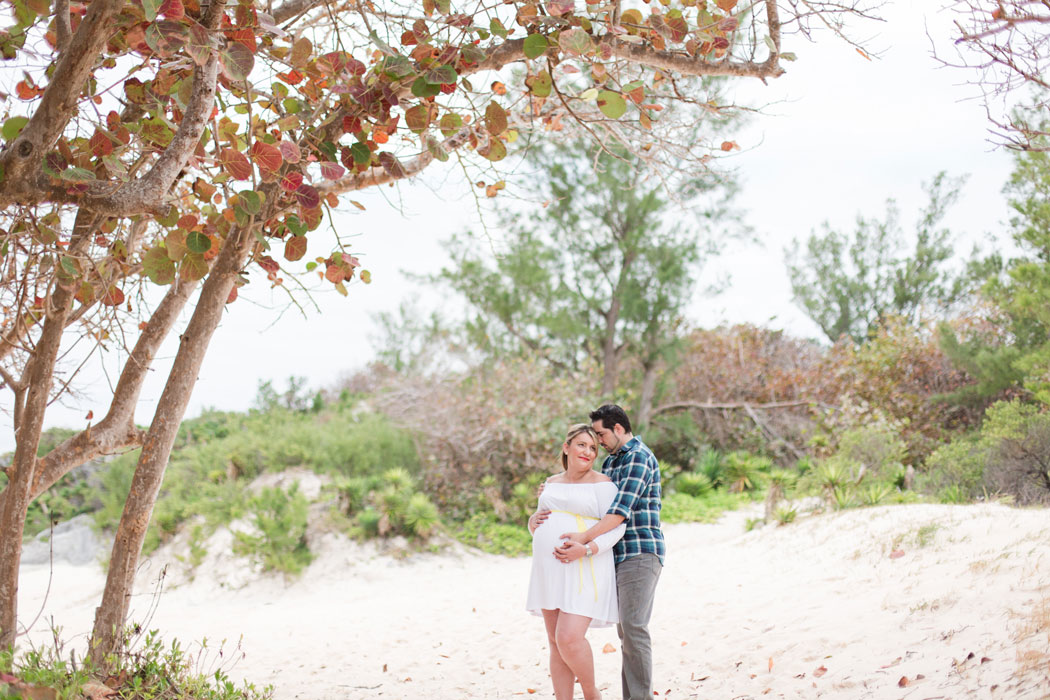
[(575, 650), (562, 676)]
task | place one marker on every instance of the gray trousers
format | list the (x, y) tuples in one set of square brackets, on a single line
[(635, 588)]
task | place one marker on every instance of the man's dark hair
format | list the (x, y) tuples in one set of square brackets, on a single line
[(611, 414)]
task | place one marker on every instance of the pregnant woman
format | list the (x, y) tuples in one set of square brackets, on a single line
[(576, 595)]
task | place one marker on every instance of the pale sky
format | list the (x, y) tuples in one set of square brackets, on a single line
[(839, 136)]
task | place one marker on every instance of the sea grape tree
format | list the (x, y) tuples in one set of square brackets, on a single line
[(198, 145)]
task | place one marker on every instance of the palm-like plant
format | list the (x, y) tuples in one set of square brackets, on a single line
[(744, 471), (711, 464), (696, 485), (421, 515)]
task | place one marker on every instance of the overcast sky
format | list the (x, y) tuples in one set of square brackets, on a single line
[(839, 136)]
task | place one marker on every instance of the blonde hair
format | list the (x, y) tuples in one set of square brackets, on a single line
[(574, 430)]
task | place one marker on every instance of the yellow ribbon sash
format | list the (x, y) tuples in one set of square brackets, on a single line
[(581, 526)]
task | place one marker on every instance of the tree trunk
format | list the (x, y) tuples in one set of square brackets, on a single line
[(609, 354), (156, 448), (645, 401), (36, 385)]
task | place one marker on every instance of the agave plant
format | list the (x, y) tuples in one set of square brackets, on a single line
[(842, 497), (832, 474), (876, 492)]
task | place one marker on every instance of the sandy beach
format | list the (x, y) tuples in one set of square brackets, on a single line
[(919, 601)]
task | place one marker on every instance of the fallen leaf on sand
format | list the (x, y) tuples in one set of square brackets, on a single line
[(903, 682), (384, 668), (770, 663), (897, 554), (985, 659), (684, 643), (531, 691), (820, 671), (608, 649), (892, 663)]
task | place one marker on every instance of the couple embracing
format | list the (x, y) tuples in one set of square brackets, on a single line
[(597, 553)]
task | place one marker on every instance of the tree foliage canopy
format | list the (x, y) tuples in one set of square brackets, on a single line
[(848, 283), (601, 274)]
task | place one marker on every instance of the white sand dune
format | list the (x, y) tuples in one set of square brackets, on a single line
[(815, 609)]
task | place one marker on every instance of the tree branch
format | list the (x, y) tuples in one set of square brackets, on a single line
[(148, 192), (709, 406), (378, 175), (117, 430), (63, 32), (20, 161)]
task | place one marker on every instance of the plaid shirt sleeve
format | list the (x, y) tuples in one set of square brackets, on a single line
[(637, 477)]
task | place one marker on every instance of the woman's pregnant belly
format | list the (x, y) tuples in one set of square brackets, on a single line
[(547, 536)]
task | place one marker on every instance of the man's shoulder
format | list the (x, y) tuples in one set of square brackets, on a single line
[(638, 449)]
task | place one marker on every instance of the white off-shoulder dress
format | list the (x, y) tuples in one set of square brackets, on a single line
[(586, 586)]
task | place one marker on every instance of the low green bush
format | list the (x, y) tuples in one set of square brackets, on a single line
[(683, 508), (150, 670), (1008, 456), (280, 518), (487, 533), (693, 484), (387, 504)]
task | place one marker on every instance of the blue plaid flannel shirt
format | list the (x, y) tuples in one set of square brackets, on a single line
[(636, 473)]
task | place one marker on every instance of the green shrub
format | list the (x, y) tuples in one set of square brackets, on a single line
[(785, 515), (678, 439), (523, 498), (877, 448), (387, 504), (149, 670), (697, 485), (842, 497), (711, 463), (487, 533), (683, 508), (1008, 456), (876, 492), (833, 474), (421, 516), (280, 517), (368, 520), (1017, 436), (744, 471)]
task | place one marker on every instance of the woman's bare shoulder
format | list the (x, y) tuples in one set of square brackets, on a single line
[(602, 479), (555, 479)]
